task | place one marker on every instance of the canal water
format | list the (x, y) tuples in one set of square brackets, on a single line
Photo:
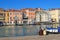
[(25, 30)]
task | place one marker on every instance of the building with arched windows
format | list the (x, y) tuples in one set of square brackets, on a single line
[(29, 16), (15, 16), (42, 16)]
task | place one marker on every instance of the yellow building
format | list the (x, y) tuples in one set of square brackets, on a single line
[(54, 16), (7, 17), (4, 16)]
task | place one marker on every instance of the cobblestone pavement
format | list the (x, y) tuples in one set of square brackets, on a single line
[(36, 37)]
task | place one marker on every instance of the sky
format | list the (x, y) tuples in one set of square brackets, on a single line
[(19, 4)]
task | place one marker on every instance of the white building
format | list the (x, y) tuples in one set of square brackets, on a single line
[(42, 16)]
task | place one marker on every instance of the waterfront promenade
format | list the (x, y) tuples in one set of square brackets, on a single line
[(36, 37)]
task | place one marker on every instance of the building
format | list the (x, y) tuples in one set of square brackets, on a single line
[(23, 16), (31, 17), (42, 16), (54, 15), (28, 15), (15, 16), (4, 16)]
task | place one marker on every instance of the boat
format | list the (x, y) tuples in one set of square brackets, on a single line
[(52, 30)]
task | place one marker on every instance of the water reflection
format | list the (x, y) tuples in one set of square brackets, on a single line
[(24, 30)]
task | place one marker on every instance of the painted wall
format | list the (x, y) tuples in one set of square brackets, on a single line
[(54, 15)]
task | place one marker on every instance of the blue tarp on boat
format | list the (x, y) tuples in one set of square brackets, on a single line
[(54, 29), (59, 29)]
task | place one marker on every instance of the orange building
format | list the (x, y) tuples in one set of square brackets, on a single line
[(15, 16)]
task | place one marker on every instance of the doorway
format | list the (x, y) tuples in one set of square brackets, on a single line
[(16, 22)]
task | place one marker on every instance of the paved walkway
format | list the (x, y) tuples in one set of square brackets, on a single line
[(37, 37)]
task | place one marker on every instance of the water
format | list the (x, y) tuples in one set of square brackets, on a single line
[(25, 30)]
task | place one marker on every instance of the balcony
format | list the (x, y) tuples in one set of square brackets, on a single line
[(25, 17)]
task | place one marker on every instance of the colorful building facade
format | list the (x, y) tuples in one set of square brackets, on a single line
[(15, 16), (55, 12), (54, 15), (42, 16), (4, 16), (29, 15)]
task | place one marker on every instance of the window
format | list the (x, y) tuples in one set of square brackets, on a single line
[(51, 19), (1, 14), (11, 18), (10, 13)]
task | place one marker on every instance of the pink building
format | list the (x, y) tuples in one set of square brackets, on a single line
[(22, 16), (15, 16), (29, 15)]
